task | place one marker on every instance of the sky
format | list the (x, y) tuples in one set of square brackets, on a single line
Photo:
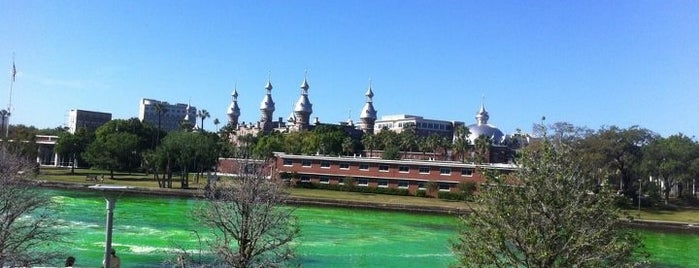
[(589, 63)]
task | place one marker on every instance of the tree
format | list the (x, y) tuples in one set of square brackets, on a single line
[(216, 122), (461, 141), (348, 145), (482, 149), (28, 226), (185, 152), (73, 145), (370, 142), (160, 108), (203, 114), (545, 214), (671, 160), (115, 151), (251, 227), (614, 152), (432, 143), (408, 138)]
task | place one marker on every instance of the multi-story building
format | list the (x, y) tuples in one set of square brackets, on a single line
[(86, 119), (170, 115), (423, 126), (412, 175)]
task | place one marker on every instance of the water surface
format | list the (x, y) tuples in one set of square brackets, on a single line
[(147, 229)]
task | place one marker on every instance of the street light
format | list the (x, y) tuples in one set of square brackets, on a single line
[(110, 193)]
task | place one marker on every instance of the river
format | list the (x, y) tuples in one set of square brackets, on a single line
[(146, 228)]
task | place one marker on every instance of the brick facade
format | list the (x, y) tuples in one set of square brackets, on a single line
[(374, 172)]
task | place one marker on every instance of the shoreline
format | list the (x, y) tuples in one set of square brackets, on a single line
[(653, 225)]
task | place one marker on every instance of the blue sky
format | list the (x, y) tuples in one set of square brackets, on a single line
[(589, 63)]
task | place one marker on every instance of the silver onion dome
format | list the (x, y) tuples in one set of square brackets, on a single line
[(482, 128)]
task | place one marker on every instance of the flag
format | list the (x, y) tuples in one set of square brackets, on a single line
[(14, 71)]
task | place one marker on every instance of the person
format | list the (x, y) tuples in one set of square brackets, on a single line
[(114, 261), (70, 261)]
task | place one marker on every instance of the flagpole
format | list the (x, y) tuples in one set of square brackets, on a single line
[(6, 116)]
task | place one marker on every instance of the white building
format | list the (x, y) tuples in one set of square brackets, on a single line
[(423, 126), (171, 115), (86, 119)]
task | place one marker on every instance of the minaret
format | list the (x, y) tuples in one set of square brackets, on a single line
[(267, 109), (187, 123), (303, 108), (233, 110), (482, 116), (368, 115)]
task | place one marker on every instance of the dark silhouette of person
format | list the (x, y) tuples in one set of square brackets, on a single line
[(70, 261), (114, 261)]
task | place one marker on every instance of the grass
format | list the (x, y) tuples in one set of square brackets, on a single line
[(690, 215), (684, 214)]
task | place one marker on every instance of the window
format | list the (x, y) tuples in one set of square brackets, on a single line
[(305, 179), (467, 172), (306, 163), (383, 184), (341, 181), (362, 182), (403, 169), (325, 180), (421, 186), (363, 166), (344, 165), (403, 184), (444, 187), (324, 164), (424, 170), (288, 162), (383, 168), (445, 171)]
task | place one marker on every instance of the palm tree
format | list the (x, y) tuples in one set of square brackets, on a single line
[(370, 142), (216, 122), (433, 141), (482, 147), (203, 114), (408, 139), (161, 109), (461, 141)]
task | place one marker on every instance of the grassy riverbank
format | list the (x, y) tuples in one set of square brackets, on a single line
[(680, 214)]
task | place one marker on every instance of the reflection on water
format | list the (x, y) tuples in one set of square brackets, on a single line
[(146, 229)]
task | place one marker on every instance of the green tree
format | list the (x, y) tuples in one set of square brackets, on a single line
[(461, 141), (432, 143), (203, 114), (160, 108), (408, 139), (482, 149), (114, 151), (266, 145), (73, 145), (216, 122), (348, 146), (370, 142), (329, 138), (185, 152), (671, 160), (614, 153), (546, 214)]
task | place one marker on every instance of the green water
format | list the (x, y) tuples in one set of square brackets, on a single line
[(147, 228)]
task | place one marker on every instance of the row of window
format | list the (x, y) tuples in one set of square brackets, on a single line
[(381, 183), (467, 172), (419, 125)]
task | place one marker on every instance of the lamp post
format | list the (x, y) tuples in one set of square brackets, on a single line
[(110, 193)]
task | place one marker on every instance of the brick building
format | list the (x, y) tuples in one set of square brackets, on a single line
[(412, 175)]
